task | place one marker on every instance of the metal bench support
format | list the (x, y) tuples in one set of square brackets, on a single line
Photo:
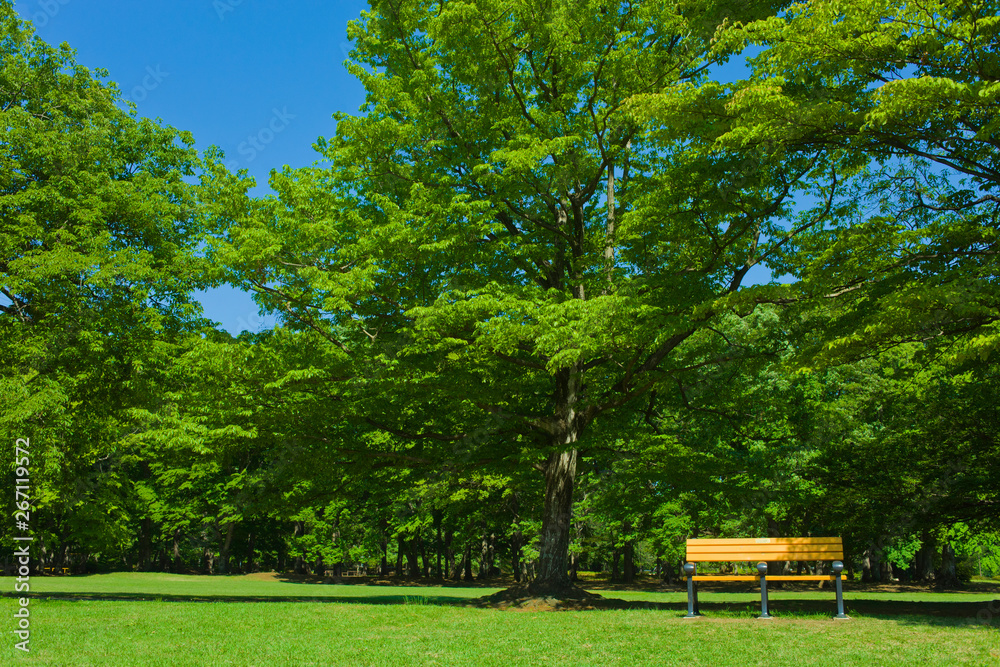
[(762, 569), (838, 567), (689, 570)]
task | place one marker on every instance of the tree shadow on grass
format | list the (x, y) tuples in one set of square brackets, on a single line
[(946, 613), (400, 582), (922, 613), (166, 597)]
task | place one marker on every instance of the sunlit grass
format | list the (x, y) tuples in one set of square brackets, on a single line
[(288, 633), (154, 584), (251, 586)]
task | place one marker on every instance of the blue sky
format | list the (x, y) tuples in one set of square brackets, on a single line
[(258, 78)]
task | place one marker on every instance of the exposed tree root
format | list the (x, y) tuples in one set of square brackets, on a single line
[(547, 597)]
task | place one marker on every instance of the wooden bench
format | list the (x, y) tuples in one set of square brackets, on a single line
[(764, 549)]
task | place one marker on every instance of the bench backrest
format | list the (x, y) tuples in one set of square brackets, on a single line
[(765, 549)]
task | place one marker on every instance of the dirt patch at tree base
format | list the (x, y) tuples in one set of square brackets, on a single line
[(568, 598)]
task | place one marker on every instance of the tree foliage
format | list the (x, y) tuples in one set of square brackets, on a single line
[(547, 243)]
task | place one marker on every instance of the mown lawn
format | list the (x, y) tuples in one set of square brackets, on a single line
[(172, 586), (326, 632), (153, 584)]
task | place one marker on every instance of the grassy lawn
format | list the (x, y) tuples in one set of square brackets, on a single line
[(155, 584), (428, 628), (171, 586)]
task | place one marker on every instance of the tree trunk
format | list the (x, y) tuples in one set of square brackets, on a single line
[(628, 554), (885, 571), (226, 545), (163, 559), (871, 565), (487, 557), (515, 540), (412, 564), (467, 561), (383, 568), (515, 553), (560, 475), (383, 565), (60, 555), (178, 565), (924, 564), (145, 544), (426, 572), (208, 560), (494, 568), (458, 569), (484, 557), (299, 566), (449, 554), (628, 565), (251, 565), (565, 428), (667, 573), (438, 542), (949, 570)]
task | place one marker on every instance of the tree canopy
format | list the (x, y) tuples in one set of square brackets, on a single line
[(556, 296), (96, 270)]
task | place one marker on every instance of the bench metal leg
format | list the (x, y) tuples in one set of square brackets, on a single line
[(838, 567), (762, 569), (689, 570)]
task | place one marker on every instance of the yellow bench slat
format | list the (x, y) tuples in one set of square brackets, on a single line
[(761, 556), (756, 541), (770, 577), (775, 550)]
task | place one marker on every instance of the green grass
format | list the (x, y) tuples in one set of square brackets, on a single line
[(429, 629), (282, 633), (153, 584)]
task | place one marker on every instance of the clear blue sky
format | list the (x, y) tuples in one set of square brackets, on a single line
[(258, 78)]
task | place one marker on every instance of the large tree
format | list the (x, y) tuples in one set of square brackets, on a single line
[(521, 230)]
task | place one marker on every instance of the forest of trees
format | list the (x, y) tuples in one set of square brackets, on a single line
[(555, 300)]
